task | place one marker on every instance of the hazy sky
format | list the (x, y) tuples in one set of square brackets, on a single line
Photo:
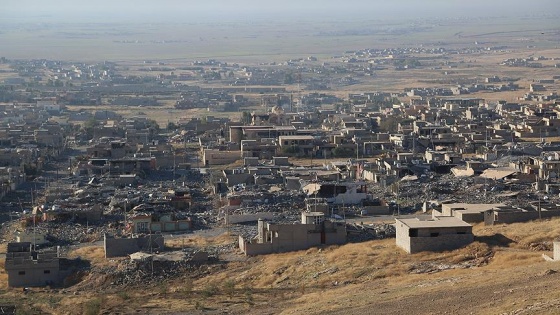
[(161, 9)]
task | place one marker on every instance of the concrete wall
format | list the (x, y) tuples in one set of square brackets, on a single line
[(216, 157), (319, 207), (469, 217), (440, 243), (252, 249), (241, 178), (377, 209), (279, 238), (29, 236), (287, 238), (335, 233), (368, 175), (239, 218), (402, 238), (491, 218), (119, 247), (292, 183), (349, 198), (447, 210)]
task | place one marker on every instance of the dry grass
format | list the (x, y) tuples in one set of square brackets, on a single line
[(3, 276), (200, 241), (95, 254), (523, 235), (350, 276)]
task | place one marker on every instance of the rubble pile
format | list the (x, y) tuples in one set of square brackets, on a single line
[(367, 232), (447, 187), (64, 234), (132, 273), (434, 266)]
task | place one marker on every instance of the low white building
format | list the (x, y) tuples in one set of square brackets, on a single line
[(436, 234)]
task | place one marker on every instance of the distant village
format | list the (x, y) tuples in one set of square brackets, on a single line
[(280, 157)]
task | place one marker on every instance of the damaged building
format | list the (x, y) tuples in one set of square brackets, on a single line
[(27, 267), (314, 230)]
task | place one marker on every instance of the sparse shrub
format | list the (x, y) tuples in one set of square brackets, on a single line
[(229, 287), (123, 295), (302, 289), (162, 288), (209, 290), (92, 307), (23, 310), (198, 305), (188, 286), (249, 297)]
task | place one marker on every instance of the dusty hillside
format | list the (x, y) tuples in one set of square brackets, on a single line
[(501, 273)]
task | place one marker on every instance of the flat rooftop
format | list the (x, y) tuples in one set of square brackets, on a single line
[(471, 207), (301, 137), (437, 222)]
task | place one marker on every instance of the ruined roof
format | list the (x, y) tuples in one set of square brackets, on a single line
[(498, 173)]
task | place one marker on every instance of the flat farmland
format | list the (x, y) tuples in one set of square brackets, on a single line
[(257, 40)]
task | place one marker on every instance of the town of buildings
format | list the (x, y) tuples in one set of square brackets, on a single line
[(285, 169)]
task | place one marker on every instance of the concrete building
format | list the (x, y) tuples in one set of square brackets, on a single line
[(470, 213), (314, 230), (338, 192), (27, 267), (217, 157), (436, 234), (144, 223), (30, 236)]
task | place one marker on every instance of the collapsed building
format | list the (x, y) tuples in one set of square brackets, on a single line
[(146, 219)]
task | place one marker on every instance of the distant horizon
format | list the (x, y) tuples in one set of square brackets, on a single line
[(175, 10), (126, 29)]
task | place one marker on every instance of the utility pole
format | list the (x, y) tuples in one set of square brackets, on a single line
[(398, 203), (124, 216)]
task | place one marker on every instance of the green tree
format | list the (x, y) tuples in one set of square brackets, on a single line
[(246, 118), (292, 150), (89, 127), (289, 78), (343, 152), (171, 126)]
